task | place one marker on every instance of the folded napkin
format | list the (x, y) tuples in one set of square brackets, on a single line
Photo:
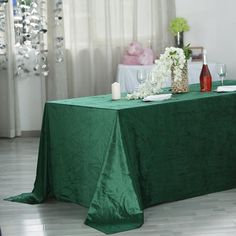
[(158, 97), (228, 88)]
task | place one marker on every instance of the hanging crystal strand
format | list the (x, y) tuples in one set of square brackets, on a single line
[(3, 43), (59, 33), (56, 52), (29, 29), (43, 39), (38, 21), (22, 37)]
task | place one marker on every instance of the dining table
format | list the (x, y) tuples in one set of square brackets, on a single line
[(117, 158)]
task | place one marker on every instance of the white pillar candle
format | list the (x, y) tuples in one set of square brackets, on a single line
[(115, 91)]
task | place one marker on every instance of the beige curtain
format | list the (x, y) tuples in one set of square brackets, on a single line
[(9, 105), (97, 32), (57, 82), (96, 35)]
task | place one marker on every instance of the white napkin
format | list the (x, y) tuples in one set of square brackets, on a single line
[(158, 97), (228, 88)]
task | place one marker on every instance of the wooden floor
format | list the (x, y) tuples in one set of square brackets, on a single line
[(211, 215)]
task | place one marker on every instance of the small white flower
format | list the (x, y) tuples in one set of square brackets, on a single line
[(173, 58)]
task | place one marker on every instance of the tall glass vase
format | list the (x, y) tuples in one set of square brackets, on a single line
[(180, 86), (179, 40)]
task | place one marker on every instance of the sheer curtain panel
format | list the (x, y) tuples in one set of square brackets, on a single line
[(9, 106), (57, 82), (98, 31)]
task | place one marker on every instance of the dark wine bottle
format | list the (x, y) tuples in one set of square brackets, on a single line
[(205, 76)]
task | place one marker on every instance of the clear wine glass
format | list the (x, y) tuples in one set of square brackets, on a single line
[(221, 71), (141, 76)]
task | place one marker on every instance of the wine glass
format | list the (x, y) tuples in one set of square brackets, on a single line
[(221, 71), (141, 76)]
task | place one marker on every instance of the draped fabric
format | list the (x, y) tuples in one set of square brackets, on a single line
[(98, 31), (149, 153), (9, 106)]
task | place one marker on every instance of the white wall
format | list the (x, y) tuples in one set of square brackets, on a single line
[(31, 94), (30, 103), (213, 26)]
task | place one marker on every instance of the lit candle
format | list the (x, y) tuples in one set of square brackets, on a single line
[(115, 90)]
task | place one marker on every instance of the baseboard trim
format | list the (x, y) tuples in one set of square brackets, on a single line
[(31, 133)]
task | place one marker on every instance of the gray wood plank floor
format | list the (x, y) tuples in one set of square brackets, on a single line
[(212, 215)]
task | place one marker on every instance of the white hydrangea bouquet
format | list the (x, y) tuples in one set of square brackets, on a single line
[(171, 65)]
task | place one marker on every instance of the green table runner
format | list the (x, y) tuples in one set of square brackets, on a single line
[(119, 157)]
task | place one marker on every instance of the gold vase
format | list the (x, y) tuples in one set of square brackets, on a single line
[(180, 86)]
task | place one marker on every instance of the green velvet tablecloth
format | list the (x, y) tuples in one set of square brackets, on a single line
[(119, 157)]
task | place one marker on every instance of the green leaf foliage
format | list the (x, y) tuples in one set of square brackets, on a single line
[(187, 51)]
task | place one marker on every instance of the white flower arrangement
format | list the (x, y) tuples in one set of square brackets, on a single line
[(172, 61)]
